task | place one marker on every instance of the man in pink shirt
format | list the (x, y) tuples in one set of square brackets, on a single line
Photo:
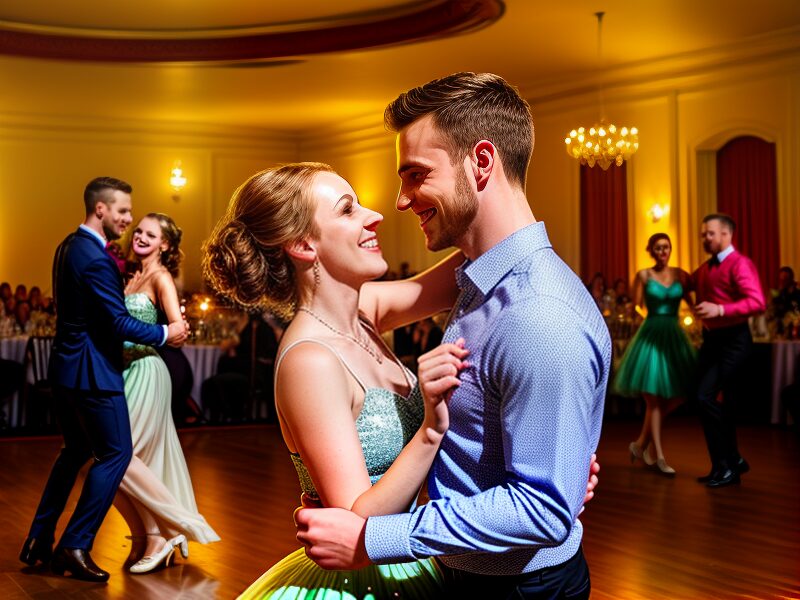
[(728, 291)]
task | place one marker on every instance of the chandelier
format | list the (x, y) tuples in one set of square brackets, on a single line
[(604, 143)]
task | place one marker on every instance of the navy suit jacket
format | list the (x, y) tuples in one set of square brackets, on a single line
[(92, 320)]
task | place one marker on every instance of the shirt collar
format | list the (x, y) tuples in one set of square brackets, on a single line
[(489, 268), (100, 239), (725, 253)]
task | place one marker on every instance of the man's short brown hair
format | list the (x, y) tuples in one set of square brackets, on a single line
[(467, 108), (101, 189)]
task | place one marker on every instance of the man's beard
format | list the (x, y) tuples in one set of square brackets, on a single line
[(462, 207), (110, 233)]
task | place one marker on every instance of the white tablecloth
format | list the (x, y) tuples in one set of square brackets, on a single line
[(13, 348), (785, 363), (203, 358)]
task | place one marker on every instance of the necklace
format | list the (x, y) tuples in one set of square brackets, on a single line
[(363, 343)]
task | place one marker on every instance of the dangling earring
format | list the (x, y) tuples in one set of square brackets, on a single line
[(315, 268)]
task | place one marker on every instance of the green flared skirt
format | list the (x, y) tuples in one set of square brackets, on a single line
[(660, 360)]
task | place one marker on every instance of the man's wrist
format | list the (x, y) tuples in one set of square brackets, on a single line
[(721, 310)]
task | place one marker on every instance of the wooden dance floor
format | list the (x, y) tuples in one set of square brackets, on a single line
[(647, 536)]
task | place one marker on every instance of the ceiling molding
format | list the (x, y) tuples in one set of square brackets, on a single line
[(430, 20)]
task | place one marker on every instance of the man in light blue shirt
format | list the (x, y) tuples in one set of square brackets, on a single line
[(509, 479)]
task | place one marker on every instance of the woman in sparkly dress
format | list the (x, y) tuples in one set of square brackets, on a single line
[(360, 430)]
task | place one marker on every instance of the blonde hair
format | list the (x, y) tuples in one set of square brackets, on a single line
[(244, 258)]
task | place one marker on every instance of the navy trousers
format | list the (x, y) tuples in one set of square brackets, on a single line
[(94, 426), (567, 581)]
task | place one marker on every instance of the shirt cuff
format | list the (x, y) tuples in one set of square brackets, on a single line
[(166, 335), (386, 539)]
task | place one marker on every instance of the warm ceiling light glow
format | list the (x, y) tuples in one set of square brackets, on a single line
[(605, 145)]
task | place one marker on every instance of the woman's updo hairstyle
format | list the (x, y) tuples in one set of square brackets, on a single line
[(243, 259), (653, 240), (171, 257)]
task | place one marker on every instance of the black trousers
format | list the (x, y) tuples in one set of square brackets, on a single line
[(722, 355), (567, 581)]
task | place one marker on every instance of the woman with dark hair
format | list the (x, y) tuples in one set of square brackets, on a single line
[(155, 496), (659, 362)]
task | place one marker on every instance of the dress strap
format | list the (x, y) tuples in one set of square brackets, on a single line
[(329, 347)]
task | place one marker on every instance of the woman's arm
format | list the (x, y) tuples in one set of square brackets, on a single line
[(167, 296), (638, 292), (391, 304), (317, 412), (686, 282)]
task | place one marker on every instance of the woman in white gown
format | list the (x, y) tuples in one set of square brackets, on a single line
[(155, 496)]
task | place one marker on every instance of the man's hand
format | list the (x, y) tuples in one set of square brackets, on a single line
[(177, 331), (333, 537), (594, 469), (708, 310)]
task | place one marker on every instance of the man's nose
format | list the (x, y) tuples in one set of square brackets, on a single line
[(404, 201)]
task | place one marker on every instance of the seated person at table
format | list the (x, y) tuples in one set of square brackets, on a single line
[(11, 374), (244, 372), (5, 292), (786, 298)]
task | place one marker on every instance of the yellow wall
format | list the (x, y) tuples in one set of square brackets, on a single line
[(45, 163), (43, 171)]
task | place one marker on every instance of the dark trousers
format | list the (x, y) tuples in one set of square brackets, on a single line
[(93, 426), (722, 355), (567, 581)]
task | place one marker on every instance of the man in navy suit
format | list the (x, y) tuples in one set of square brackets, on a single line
[(86, 373)]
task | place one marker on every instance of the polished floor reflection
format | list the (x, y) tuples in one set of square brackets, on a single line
[(647, 536)]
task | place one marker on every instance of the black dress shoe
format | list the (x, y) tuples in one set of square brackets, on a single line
[(741, 467), (723, 478), (707, 478), (78, 563), (34, 550)]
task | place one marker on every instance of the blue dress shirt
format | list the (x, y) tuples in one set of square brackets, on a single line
[(510, 476)]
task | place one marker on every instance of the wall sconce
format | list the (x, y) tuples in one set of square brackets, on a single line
[(658, 212), (177, 180)]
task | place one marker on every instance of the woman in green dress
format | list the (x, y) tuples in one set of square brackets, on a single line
[(660, 360), (155, 497)]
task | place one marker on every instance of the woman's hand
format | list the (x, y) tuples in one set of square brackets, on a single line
[(438, 372)]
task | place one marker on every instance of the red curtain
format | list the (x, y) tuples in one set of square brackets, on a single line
[(746, 190), (604, 223)]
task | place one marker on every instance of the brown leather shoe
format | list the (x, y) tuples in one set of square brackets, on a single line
[(34, 550), (78, 563)]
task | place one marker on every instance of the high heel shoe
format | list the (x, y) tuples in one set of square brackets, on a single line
[(636, 451), (664, 467), (163, 556), (648, 460), (184, 546)]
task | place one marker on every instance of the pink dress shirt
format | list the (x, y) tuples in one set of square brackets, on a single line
[(732, 283)]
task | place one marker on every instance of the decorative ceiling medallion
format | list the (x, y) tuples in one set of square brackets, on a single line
[(429, 21)]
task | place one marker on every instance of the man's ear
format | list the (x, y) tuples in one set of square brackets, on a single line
[(302, 250), (483, 159)]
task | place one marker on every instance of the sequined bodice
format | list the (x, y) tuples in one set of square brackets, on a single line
[(662, 300), (141, 307), (386, 424)]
